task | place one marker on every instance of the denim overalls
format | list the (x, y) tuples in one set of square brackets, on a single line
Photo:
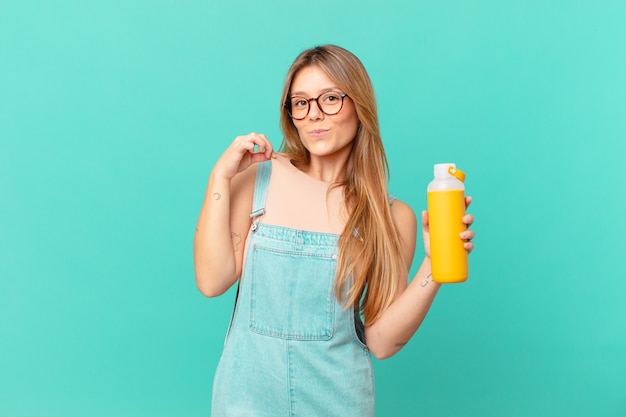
[(291, 348)]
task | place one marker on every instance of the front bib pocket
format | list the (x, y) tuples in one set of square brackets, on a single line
[(292, 294)]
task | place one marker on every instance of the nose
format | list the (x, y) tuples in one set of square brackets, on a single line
[(315, 112)]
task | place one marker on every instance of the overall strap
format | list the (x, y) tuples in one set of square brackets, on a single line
[(263, 173)]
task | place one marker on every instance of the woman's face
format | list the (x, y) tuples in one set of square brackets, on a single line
[(322, 134)]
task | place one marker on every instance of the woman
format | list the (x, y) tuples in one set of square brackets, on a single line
[(316, 243)]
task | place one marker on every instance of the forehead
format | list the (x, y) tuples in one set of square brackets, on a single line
[(311, 80)]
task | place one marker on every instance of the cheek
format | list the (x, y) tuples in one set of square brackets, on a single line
[(350, 126), (300, 130), (351, 122)]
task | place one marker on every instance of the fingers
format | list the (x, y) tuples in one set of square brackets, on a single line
[(242, 152), (255, 144), (467, 235), (468, 220), (252, 148)]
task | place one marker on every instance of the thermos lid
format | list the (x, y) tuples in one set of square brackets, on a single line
[(441, 170), (448, 170)]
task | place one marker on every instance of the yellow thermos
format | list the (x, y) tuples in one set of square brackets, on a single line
[(446, 208)]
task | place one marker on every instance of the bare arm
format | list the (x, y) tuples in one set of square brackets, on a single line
[(395, 327), (224, 218)]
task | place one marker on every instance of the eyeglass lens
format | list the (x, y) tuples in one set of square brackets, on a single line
[(330, 103)]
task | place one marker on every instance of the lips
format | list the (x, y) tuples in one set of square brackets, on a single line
[(318, 133)]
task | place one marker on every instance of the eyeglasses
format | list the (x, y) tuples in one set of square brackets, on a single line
[(329, 103)]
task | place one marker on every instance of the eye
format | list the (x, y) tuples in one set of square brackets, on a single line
[(331, 98), (299, 103)]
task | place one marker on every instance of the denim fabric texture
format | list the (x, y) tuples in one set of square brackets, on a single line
[(291, 348)]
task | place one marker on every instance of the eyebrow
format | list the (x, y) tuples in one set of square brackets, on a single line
[(325, 90)]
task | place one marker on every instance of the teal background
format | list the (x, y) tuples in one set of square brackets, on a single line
[(113, 113)]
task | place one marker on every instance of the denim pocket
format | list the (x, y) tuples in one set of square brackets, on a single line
[(292, 294)]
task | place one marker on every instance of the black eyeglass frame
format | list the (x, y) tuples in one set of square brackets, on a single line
[(287, 105)]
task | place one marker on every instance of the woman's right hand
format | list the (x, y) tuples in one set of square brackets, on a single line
[(241, 154)]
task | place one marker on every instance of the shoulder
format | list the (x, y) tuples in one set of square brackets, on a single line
[(247, 177), (405, 222), (282, 161), (244, 182), (402, 214)]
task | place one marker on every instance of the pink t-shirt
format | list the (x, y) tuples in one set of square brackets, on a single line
[(299, 201)]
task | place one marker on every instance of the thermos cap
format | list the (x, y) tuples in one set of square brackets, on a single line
[(448, 170), (441, 170)]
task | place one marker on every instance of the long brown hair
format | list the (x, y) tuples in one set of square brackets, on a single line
[(370, 238)]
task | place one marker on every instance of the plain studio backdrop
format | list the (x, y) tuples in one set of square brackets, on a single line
[(112, 114)]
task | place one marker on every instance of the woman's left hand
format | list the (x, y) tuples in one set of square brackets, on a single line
[(466, 235)]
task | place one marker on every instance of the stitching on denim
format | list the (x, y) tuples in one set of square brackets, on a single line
[(326, 329)]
